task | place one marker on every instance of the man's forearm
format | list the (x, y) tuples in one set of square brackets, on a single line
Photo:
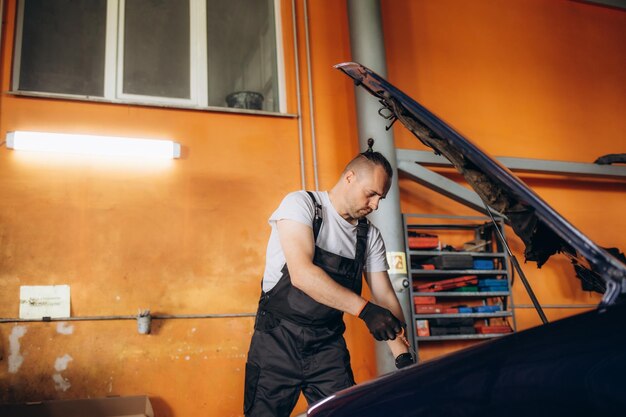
[(390, 302), (397, 346), (318, 285)]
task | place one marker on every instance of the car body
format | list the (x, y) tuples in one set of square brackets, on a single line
[(574, 366)]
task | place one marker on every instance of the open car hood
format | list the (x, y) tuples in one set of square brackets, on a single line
[(543, 231)]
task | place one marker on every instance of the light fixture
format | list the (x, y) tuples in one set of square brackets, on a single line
[(92, 145)]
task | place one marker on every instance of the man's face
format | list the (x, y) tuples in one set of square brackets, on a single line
[(365, 191)]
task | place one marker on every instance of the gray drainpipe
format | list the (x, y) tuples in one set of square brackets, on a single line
[(367, 45)]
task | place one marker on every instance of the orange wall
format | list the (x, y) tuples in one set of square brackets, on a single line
[(188, 237), (183, 237)]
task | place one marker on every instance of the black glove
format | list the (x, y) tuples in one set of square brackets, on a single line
[(381, 323), (404, 359)]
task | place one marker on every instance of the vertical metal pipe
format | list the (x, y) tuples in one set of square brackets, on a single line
[(367, 46), (298, 97), (311, 112)]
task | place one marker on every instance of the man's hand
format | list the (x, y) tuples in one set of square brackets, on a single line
[(382, 324)]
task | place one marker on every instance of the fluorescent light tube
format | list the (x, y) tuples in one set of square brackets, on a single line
[(92, 145)]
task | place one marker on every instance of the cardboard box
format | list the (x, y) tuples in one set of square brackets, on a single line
[(451, 322), (428, 309), (447, 284), (419, 300), (484, 264), (446, 331), (138, 406), (453, 261), (469, 288), (423, 241), (486, 309), (422, 328), (494, 329)]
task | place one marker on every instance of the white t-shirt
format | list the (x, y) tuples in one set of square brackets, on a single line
[(336, 235)]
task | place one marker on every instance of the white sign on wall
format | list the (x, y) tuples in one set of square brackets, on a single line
[(397, 262), (37, 301)]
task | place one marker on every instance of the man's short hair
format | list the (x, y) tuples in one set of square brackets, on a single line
[(373, 158)]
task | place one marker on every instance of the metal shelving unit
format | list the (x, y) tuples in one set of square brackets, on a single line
[(458, 272), (475, 254), (461, 337), (462, 315), (464, 294), (461, 226)]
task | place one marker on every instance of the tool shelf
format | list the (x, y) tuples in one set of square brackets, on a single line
[(461, 337), (453, 234), (462, 315)]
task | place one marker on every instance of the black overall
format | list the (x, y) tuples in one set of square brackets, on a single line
[(298, 343)]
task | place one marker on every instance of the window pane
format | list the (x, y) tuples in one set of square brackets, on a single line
[(241, 43), (156, 48), (63, 46)]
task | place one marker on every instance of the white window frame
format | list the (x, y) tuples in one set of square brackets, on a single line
[(17, 60), (280, 58), (114, 62)]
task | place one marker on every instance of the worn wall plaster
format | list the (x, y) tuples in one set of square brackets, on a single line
[(60, 364), (15, 357), (64, 328)]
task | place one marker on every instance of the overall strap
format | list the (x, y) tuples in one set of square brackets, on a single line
[(317, 220), (361, 246)]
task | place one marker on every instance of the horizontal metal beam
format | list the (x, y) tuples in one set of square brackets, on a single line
[(129, 317), (620, 4), (443, 185), (540, 166), (581, 306)]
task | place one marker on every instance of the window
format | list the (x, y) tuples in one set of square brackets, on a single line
[(241, 52), (156, 48), (192, 53), (63, 52)]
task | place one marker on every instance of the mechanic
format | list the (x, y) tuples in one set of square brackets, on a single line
[(319, 246)]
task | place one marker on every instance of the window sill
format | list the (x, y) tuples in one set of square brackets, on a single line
[(95, 99)]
